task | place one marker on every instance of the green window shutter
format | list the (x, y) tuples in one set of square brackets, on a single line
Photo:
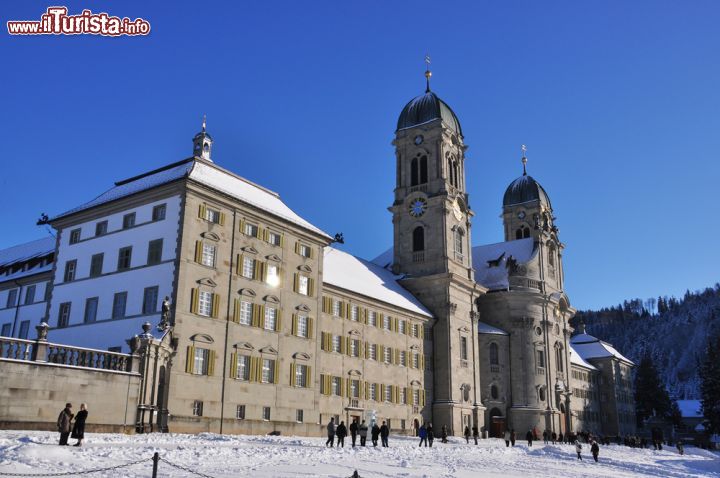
[(189, 363)]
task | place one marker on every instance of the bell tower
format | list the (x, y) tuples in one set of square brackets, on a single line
[(202, 143), (432, 249)]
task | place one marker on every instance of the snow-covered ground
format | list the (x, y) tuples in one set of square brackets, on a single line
[(261, 456)]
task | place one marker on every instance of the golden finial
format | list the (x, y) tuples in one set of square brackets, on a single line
[(428, 73), (523, 148)]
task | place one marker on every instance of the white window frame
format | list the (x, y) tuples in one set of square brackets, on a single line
[(212, 215), (336, 308), (373, 351), (303, 284), (272, 275), (387, 322), (302, 326), (373, 392), (201, 361), (387, 355), (301, 376), (354, 313), (271, 318), (209, 252), (337, 343), (251, 229), (274, 238), (205, 303), (243, 367), (372, 318), (388, 394), (354, 348), (268, 371), (246, 312), (240, 412), (248, 268), (305, 251), (266, 414), (336, 386)]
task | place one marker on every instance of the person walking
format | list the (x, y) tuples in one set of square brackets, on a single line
[(546, 437), (595, 450), (63, 423), (354, 431), (422, 433), (331, 433), (384, 434), (680, 447), (476, 434), (553, 436), (578, 449), (529, 437), (341, 432), (363, 431), (443, 434), (467, 434), (78, 431), (507, 438), (512, 436), (375, 433), (430, 435)]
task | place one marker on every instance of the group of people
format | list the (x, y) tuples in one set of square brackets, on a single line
[(341, 431), (73, 430)]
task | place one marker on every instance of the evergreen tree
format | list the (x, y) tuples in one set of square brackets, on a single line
[(651, 397), (710, 383)]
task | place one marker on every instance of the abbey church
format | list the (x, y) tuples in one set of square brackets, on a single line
[(271, 327)]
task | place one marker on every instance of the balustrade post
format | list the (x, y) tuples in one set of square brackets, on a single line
[(40, 348)]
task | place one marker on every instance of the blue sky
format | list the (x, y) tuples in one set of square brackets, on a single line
[(617, 102)]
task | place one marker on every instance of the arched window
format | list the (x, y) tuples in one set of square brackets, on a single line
[(522, 232), (494, 359), (494, 392), (541, 392), (423, 170), (518, 233), (451, 179), (418, 241), (526, 232), (559, 358), (551, 256), (414, 172), (459, 236)]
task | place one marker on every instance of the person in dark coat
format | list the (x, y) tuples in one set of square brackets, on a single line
[(63, 423), (341, 433), (354, 431), (506, 436), (423, 435), (529, 437), (430, 434), (443, 434), (595, 450), (553, 436), (78, 431), (546, 437), (476, 434), (467, 434), (512, 437), (331, 433), (561, 438), (363, 431), (375, 433), (384, 433)]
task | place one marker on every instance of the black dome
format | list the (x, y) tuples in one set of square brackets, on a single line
[(525, 189), (426, 108)]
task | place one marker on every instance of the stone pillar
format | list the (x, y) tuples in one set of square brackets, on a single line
[(40, 349)]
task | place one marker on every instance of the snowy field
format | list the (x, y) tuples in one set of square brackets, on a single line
[(259, 456)]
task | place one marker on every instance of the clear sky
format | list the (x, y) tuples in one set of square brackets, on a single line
[(617, 102)]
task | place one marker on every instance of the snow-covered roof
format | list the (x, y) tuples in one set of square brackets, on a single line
[(385, 259), (576, 359), (27, 251), (363, 277), (209, 175), (484, 328), (590, 347), (496, 276), (690, 408)]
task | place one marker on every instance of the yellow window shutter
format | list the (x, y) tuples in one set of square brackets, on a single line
[(295, 282), (366, 391), (233, 365), (242, 225), (252, 378), (292, 374), (238, 264), (408, 399), (297, 247), (190, 361), (343, 344), (194, 300), (311, 286), (322, 342), (282, 240), (276, 372), (215, 305), (348, 391), (395, 324), (261, 318), (263, 271), (222, 218), (325, 304), (308, 379), (382, 392), (259, 365), (364, 316), (328, 342), (202, 211), (211, 363), (422, 398), (256, 271), (312, 253), (198, 251), (380, 321), (322, 383), (294, 325), (310, 327), (410, 356), (236, 311), (278, 321), (422, 362), (266, 234), (421, 331)]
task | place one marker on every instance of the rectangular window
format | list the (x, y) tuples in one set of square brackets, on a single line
[(336, 308), (299, 416), (30, 295), (246, 312), (271, 315), (96, 264), (70, 267), (354, 313), (302, 326), (266, 414), (158, 213), (301, 375), (373, 392), (403, 358), (388, 393), (75, 236), (372, 319), (101, 228), (416, 397), (251, 230), (272, 275), (541, 359), (387, 354), (124, 258), (305, 251), (24, 329), (6, 330), (91, 306), (386, 322), (416, 330), (119, 303), (354, 388), (48, 291), (248, 270), (240, 412), (268, 371), (303, 285), (201, 361), (401, 398), (155, 251), (64, 314), (208, 255), (205, 304), (336, 385), (373, 351), (416, 360), (128, 220), (402, 327), (212, 215), (274, 238), (463, 348), (197, 409), (243, 367), (337, 343), (354, 348), (150, 298)]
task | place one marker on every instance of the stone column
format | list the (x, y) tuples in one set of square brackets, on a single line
[(40, 349)]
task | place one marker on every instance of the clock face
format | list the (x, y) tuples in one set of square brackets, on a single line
[(418, 207), (521, 215), (419, 139)]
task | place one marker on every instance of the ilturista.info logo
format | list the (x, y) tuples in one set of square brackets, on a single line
[(56, 21)]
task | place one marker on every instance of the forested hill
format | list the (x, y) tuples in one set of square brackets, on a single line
[(674, 332)]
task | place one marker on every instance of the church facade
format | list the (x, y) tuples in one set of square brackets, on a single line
[(273, 328)]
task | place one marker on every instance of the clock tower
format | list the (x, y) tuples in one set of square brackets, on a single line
[(432, 249)]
